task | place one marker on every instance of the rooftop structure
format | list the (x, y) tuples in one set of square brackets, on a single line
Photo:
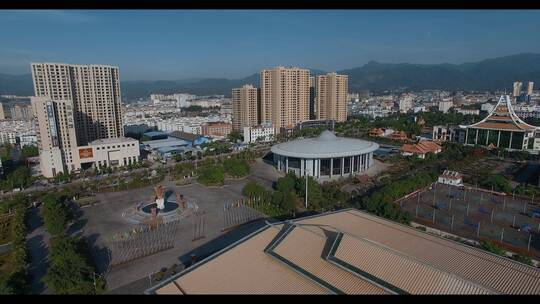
[(451, 178), (502, 128), (186, 136), (420, 149), (342, 253)]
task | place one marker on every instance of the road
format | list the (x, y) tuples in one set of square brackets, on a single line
[(37, 243), (35, 188)]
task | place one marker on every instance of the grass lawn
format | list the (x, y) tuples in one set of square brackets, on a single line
[(6, 267)]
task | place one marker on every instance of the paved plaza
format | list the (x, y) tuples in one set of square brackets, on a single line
[(100, 222), (478, 214)]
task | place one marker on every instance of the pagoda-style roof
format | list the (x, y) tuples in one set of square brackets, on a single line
[(503, 117)]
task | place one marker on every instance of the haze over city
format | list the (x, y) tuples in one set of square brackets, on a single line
[(174, 44)]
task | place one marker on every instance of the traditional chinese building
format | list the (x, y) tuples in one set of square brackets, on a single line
[(420, 149), (502, 128)]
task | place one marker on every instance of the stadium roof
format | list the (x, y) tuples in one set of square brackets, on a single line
[(351, 252), (325, 146)]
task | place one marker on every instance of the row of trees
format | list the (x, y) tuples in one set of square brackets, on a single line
[(16, 173), (212, 172), (16, 280), (381, 201), (493, 248), (289, 194), (70, 269)]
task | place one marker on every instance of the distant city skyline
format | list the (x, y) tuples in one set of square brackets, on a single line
[(176, 44)]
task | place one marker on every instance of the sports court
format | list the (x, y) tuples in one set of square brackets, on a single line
[(509, 220)]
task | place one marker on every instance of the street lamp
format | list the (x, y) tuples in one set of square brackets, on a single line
[(306, 178)]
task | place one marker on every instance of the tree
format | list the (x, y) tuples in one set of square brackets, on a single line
[(491, 247), (19, 178), (277, 198), (252, 189), (289, 202), (178, 157), (55, 215), (211, 175), (68, 272), (29, 151), (5, 152), (235, 136), (236, 167), (287, 183)]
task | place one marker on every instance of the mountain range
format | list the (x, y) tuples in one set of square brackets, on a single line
[(486, 75)]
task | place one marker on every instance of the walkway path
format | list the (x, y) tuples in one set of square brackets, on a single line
[(37, 242)]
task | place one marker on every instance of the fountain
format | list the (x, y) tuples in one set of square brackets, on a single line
[(160, 197), (163, 207), (161, 201)]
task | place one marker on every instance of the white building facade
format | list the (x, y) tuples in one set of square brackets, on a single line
[(259, 133), (326, 157)]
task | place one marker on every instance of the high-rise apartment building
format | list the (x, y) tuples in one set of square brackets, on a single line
[(284, 96), (530, 88), (331, 97), (517, 88), (78, 115), (312, 102), (245, 102), (94, 92)]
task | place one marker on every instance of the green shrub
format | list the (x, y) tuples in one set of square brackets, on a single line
[(211, 176), (68, 272), (159, 276), (491, 247), (236, 167)]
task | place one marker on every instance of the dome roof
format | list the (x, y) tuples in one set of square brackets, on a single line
[(326, 145), (327, 136)]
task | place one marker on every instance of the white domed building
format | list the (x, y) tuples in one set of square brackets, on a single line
[(325, 157)]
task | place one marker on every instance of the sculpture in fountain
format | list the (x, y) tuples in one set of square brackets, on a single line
[(159, 192)]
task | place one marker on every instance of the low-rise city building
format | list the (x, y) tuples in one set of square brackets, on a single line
[(445, 105), (217, 129), (468, 111), (452, 178), (420, 149), (262, 133)]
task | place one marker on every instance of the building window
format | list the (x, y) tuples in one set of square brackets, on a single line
[(336, 162)]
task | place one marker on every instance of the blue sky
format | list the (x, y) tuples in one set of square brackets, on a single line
[(178, 44)]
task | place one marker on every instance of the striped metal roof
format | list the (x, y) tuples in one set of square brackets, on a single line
[(244, 269), (351, 252), (483, 268), (421, 278), (304, 248)]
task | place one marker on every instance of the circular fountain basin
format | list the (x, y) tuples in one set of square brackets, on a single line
[(169, 206)]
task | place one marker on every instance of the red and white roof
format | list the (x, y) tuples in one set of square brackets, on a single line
[(503, 117)]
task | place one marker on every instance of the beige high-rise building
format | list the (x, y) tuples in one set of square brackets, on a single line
[(55, 130), (94, 91), (517, 88), (284, 96), (245, 102), (331, 96), (530, 86), (78, 114)]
